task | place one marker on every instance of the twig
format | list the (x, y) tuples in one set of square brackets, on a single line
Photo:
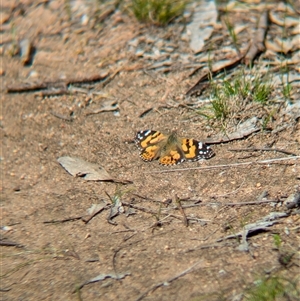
[(86, 219), (251, 203), (164, 283), (185, 220), (8, 243), (215, 245), (69, 219), (62, 84), (60, 116), (270, 161), (257, 149), (101, 277), (110, 109), (139, 208), (52, 92)]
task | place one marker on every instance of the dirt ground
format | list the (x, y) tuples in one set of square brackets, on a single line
[(149, 244)]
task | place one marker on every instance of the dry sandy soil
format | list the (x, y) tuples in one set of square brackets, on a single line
[(149, 243)]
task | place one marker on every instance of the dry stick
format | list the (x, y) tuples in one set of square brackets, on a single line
[(86, 219), (69, 219), (185, 220), (60, 116), (243, 203), (52, 92), (215, 245), (257, 149), (8, 243), (270, 161), (154, 287), (251, 203), (26, 87), (139, 208)]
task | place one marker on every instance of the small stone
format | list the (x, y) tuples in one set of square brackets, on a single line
[(33, 74)]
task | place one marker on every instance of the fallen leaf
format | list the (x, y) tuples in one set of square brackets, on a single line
[(86, 170), (284, 22)]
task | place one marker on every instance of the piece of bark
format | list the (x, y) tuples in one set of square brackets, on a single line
[(257, 45)]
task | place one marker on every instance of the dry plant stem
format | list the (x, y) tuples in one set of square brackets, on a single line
[(214, 245), (251, 203), (86, 219), (52, 92), (139, 208), (185, 220), (270, 161), (8, 243), (63, 117), (68, 219), (62, 84), (154, 287), (267, 149)]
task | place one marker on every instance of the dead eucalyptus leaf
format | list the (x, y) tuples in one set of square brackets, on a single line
[(284, 22), (80, 168), (287, 45), (272, 46)]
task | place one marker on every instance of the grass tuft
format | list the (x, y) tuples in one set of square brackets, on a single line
[(158, 12), (261, 91), (271, 289)]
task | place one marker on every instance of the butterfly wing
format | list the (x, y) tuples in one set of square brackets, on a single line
[(149, 142), (194, 150)]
